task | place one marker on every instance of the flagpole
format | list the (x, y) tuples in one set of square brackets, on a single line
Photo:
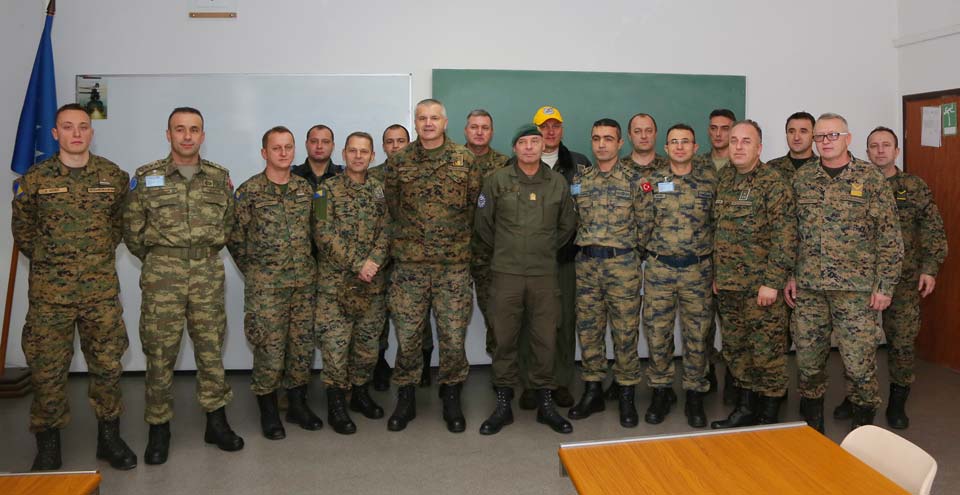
[(15, 382)]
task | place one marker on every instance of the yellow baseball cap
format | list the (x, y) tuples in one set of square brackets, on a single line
[(546, 113)]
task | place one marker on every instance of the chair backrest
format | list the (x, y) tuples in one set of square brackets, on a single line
[(893, 456)]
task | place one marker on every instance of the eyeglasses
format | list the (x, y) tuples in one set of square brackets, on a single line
[(831, 136), (679, 142)]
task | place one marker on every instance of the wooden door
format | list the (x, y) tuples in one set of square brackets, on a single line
[(939, 339)]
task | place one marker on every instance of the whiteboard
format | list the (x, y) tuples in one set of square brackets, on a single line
[(237, 110)]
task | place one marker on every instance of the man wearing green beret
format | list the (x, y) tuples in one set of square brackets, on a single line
[(524, 215)]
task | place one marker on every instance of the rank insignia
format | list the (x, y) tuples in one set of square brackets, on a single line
[(745, 195), (856, 189)]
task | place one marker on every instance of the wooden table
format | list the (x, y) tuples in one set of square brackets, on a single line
[(65, 483), (783, 459)]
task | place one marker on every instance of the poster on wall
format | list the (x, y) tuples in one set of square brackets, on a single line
[(930, 132), (92, 95), (949, 113)]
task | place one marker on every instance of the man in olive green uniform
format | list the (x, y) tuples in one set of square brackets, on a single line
[(561, 159), (350, 219), (271, 245), (848, 264), (178, 216), (642, 130), (524, 214), (753, 254), (615, 216), (679, 275), (67, 220), (924, 249), (799, 129), (478, 133), (431, 189)]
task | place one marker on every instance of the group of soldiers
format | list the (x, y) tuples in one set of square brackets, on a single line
[(554, 246)]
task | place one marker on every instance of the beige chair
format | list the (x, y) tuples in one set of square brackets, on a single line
[(893, 456)]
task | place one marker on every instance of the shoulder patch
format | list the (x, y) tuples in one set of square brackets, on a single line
[(481, 201), (575, 189), (133, 182), (17, 189), (237, 195)]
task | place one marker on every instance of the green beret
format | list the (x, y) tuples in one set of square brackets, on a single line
[(525, 130)]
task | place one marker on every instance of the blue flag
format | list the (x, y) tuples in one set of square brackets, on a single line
[(35, 142)]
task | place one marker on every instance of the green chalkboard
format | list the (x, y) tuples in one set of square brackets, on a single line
[(513, 96)]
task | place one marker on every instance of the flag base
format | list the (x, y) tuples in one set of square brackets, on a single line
[(14, 383)]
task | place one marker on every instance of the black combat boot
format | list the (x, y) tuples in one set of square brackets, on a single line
[(158, 444), (298, 410), (270, 423), (628, 409), (528, 399), (663, 398), (731, 392), (337, 415), (613, 391), (502, 414), (896, 407), (769, 410), (219, 432), (361, 402), (744, 414), (406, 408), (843, 410), (547, 412), (693, 408), (382, 373), (48, 451), (112, 448), (861, 415), (812, 412), (452, 413), (425, 379), (590, 402)]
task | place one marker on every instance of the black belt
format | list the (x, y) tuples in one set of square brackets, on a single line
[(604, 252), (681, 261)]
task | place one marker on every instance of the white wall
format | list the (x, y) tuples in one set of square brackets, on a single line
[(930, 64), (817, 55)]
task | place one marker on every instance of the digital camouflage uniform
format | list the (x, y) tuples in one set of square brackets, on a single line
[(658, 161), (924, 249), (679, 274), (431, 195), (271, 245), (784, 165), (849, 247), (615, 217), (488, 163), (177, 227), (521, 222), (754, 245), (349, 227), (707, 158), (427, 330), (68, 222)]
